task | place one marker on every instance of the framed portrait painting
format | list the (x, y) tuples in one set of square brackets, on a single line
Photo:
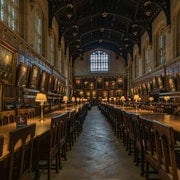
[(22, 75), (34, 77), (8, 57)]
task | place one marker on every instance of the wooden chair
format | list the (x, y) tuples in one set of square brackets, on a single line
[(20, 152), (119, 125), (129, 131), (60, 121), (7, 117), (1, 144), (150, 152), (48, 151), (165, 143), (23, 112), (70, 129), (31, 112), (139, 149)]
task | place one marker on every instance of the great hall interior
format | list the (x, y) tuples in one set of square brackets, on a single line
[(67, 63)]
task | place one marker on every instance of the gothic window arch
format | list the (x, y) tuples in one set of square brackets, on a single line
[(9, 13), (99, 61)]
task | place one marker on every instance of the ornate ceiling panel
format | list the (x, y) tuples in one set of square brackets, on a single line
[(115, 25)]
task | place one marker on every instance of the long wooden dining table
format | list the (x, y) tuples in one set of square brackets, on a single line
[(170, 120), (41, 127)]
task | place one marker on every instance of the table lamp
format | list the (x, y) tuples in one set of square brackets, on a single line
[(41, 97), (151, 99), (166, 98), (136, 98), (65, 99), (123, 100)]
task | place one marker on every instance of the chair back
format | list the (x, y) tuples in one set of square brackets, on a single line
[(1, 144), (165, 143), (7, 117), (20, 150), (146, 126)]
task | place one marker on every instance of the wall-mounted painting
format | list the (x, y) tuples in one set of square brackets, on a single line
[(22, 75), (144, 89), (7, 63), (55, 84), (170, 83), (120, 83), (178, 81), (113, 85), (149, 87), (160, 83), (99, 83), (78, 83), (43, 81), (34, 77), (85, 84), (106, 84), (154, 83)]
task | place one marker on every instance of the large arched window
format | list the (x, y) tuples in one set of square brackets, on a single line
[(9, 13), (99, 61)]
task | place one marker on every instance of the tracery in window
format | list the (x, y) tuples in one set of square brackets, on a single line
[(38, 31), (52, 48), (9, 13), (147, 60), (161, 48), (99, 61)]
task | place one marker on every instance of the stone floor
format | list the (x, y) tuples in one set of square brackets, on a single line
[(97, 154)]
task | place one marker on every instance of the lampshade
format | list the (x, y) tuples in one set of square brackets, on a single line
[(151, 98), (73, 99), (41, 97), (166, 98), (136, 97), (122, 98), (65, 98)]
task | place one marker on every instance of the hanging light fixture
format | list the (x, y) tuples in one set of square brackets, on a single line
[(75, 30), (69, 12)]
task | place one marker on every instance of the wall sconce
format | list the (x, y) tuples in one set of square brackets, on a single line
[(40, 97)]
